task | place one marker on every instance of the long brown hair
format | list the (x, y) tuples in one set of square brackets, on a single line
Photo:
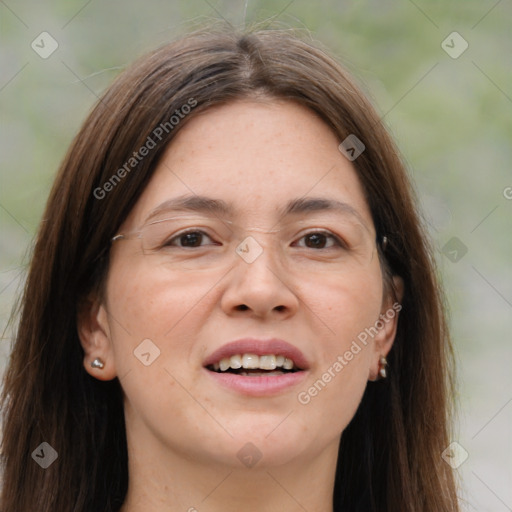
[(390, 453)]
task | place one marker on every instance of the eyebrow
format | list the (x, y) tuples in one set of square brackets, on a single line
[(203, 204)]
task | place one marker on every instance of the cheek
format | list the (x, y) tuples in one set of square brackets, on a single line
[(145, 300), (346, 307), (143, 305), (169, 312)]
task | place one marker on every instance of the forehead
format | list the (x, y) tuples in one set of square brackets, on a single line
[(259, 160)]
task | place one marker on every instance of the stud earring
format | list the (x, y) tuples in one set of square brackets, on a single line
[(383, 367), (98, 363)]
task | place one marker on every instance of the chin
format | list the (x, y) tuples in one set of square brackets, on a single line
[(259, 446)]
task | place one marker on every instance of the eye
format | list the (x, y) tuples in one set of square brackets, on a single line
[(191, 238), (319, 239)]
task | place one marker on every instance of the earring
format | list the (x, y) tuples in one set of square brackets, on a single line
[(98, 363), (383, 365)]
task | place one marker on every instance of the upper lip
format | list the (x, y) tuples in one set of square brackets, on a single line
[(259, 347)]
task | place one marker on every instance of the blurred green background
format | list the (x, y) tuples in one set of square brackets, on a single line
[(451, 116)]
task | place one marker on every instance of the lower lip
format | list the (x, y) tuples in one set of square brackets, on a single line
[(258, 386)]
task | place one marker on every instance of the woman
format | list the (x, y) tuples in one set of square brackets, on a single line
[(232, 303)]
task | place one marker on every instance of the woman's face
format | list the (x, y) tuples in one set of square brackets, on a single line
[(282, 267)]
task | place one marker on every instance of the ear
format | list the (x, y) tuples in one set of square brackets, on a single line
[(386, 326), (94, 333)]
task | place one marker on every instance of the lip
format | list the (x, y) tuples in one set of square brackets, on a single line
[(261, 385), (258, 386), (260, 348)]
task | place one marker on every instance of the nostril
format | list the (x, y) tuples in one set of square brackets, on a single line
[(243, 307)]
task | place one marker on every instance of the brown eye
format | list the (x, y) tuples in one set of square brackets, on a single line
[(316, 240), (320, 240), (188, 239)]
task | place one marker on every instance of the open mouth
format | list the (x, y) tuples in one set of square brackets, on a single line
[(252, 365)]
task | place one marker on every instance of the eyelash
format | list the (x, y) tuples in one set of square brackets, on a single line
[(339, 242)]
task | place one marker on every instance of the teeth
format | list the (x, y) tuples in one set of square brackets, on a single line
[(225, 364), (288, 364), (254, 362), (236, 361), (268, 362), (250, 361)]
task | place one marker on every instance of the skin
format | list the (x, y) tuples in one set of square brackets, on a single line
[(184, 432)]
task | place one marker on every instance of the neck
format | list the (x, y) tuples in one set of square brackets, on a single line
[(163, 480)]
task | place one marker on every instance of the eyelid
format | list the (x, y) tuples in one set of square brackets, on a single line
[(186, 217), (225, 221)]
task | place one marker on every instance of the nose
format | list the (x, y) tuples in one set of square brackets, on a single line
[(260, 289)]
